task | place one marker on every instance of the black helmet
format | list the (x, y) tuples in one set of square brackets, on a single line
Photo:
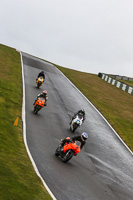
[(42, 72), (83, 111)]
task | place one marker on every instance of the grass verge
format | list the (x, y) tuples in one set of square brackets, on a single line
[(18, 179), (115, 104)]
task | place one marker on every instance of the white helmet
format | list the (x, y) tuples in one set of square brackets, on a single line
[(84, 136)]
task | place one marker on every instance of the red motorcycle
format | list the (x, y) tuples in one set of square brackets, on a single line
[(39, 105), (68, 151)]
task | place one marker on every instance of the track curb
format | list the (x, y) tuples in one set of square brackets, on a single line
[(24, 132)]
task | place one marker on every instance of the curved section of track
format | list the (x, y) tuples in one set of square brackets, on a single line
[(104, 168)]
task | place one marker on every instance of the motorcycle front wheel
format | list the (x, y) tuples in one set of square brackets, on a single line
[(36, 109), (57, 152), (75, 126), (69, 154)]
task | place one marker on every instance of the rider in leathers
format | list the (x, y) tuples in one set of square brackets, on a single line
[(42, 95), (80, 112), (41, 74), (82, 139)]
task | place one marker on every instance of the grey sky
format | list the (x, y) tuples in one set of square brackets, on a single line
[(86, 35)]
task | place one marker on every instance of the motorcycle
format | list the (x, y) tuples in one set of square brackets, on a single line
[(68, 151), (39, 81), (76, 122), (39, 105)]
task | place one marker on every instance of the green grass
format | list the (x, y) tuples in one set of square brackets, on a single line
[(18, 179), (115, 104)]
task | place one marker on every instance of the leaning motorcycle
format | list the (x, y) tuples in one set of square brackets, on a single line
[(68, 151), (39, 81), (76, 122), (39, 105)]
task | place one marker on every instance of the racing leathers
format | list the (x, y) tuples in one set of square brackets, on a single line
[(74, 138), (41, 74)]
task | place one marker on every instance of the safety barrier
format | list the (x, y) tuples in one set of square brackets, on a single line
[(116, 83)]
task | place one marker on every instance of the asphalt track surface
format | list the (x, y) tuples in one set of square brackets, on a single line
[(103, 170)]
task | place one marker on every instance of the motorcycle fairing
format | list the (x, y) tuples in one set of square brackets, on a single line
[(72, 146), (77, 120), (40, 102)]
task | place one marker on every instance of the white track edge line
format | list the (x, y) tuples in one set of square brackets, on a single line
[(24, 133), (99, 113)]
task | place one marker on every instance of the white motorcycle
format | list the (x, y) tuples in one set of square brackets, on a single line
[(76, 122)]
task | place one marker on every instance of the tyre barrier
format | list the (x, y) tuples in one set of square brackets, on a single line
[(116, 83)]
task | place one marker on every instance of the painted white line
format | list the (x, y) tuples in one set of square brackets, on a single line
[(24, 133), (99, 113)]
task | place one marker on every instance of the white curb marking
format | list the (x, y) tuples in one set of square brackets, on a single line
[(24, 134)]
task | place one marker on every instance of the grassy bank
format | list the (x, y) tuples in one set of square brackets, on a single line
[(115, 104), (18, 179)]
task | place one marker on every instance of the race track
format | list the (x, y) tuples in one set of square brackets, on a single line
[(104, 168)]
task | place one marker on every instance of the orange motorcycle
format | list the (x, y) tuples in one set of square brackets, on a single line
[(39, 105), (68, 151), (39, 81)]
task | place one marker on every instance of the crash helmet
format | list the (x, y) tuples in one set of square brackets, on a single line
[(83, 111), (68, 138), (84, 136), (42, 72), (45, 92)]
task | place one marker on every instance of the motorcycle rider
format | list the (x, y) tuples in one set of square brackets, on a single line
[(42, 95), (80, 112), (41, 74), (81, 138)]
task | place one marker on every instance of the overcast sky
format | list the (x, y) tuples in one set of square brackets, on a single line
[(86, 35)]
